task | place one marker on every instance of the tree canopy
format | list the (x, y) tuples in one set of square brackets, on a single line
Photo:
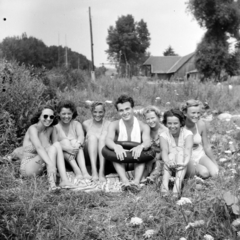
[(169, 52), (32, 51), (221, 18), (128, 40)]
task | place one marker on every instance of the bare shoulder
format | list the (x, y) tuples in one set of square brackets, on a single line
[(143, 126), (86, 122), (201, 125)]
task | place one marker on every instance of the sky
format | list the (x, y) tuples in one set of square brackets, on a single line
[(67, 22)]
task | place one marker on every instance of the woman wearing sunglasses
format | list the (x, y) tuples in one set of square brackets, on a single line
[(40, 153), (71, 137)]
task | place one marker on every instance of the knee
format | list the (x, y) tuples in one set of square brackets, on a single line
[(91, 139), (204, 173), (57, 145)]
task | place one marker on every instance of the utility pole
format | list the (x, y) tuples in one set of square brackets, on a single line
[(66, 56), (58, 51), (90, 22)]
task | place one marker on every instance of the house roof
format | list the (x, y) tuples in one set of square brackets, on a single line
[(166, 64)]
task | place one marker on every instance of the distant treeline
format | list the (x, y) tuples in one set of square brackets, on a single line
[(32, 51)]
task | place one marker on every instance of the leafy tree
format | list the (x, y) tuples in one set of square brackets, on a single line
[(169, 52), (221, 18), (128, 41), (32, 51)]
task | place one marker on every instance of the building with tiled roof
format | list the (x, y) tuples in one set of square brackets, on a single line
[(171, 67)]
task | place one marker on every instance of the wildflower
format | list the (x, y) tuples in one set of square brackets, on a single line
[(228, 152), (195, 224), (182, 238), (158, 98), (233, 170), (108, 101), (183, 201), (136, 221), (208, 237), (236, 222), (230, 87), (151, 217), (149, 233)]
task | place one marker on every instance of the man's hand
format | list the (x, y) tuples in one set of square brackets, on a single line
[(120, 152), (136, 151)]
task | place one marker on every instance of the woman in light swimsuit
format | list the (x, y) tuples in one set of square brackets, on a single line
[(96, 131), (38, 150), (176, 145), (203, 162), (71, 137), (152, 117)]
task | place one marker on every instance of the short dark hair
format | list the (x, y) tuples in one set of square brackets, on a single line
[(122, 99), (36, 115), (67, 104), (174, 113)]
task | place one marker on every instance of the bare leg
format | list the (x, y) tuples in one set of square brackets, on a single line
[(138, 172), (82, 164), (93, 151), (165, 181), (60, 164), (120, 169), (210, 165), (74, 165), (178, 181), (102, 160)]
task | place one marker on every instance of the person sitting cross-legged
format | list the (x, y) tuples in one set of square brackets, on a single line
[(128, 128)]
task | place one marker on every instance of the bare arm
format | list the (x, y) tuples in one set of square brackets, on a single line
[(187, 149), (80, 133), (33, 135), (206, 144), (165, 149), (118, 149), (146, 142)]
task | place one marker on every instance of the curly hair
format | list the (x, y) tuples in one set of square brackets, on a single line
[(174, 113), (122, 99), (36, 115), (191, 103), (67, 104), (95, 104), (149, 109)]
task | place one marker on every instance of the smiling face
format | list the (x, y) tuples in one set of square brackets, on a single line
[(151, 119), (98, 113), (66, 115), (173, 124), (193, 113), (47, 117), (125, 111)]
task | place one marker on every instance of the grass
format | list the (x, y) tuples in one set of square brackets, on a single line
[(29, 211)]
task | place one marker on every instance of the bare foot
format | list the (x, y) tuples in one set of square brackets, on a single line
[(67, 184), (79, 177), (87, 176), (95, 177), (102, 178)]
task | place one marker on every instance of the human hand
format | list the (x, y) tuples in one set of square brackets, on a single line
[(120, 152), (136, 151)]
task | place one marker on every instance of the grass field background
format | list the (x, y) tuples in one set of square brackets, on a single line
[(29, 211)]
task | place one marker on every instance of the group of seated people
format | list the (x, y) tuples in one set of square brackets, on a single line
[(177, 146)]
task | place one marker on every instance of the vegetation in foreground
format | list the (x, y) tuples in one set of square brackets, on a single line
[(29, 211)]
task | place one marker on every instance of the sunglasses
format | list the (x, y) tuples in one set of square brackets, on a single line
[(45, 116)]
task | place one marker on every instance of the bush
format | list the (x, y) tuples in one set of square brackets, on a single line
[(21, 95)]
